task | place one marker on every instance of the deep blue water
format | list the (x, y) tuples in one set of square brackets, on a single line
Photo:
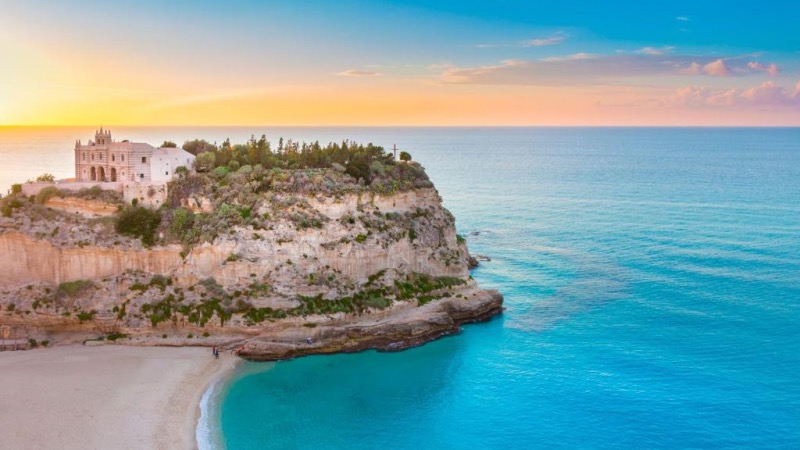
[(652, 286)]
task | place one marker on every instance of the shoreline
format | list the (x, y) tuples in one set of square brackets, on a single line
[(111, 396), (143, 395)]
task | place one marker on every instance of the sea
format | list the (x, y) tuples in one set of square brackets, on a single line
[(652, 292)]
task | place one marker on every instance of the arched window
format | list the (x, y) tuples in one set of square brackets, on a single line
[(113, 157)]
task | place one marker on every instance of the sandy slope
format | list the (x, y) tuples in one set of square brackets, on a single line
[(103, 397)]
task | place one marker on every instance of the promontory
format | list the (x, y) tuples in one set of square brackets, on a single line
[(268, 250)]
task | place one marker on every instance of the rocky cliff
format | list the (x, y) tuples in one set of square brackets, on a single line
[(315, 274)]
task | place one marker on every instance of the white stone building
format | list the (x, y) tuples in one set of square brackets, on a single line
[(106, 160)]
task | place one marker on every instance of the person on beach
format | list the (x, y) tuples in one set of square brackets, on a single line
[(214, 350)]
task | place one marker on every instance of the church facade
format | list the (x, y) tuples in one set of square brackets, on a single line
[(106, 160)]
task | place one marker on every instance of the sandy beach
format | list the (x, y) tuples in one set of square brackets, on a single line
[(104, 397)]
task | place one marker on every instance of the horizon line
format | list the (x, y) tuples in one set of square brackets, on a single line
[(394, 126)]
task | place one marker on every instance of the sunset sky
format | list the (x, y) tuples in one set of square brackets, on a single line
[(417, 62)]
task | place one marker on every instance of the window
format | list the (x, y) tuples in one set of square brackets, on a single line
[(141, 175), (166, 173), (123, 158), (100, 156), (92, 156), (84, 156), (144, 159), (113, 157)]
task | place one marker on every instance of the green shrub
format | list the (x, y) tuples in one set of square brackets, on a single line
[(139, 287), (115, 335), (84, 316), (139, 222), (46, 178), (46, 194), (160, 282)]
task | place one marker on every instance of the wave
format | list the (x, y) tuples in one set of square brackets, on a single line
[(208, 433)]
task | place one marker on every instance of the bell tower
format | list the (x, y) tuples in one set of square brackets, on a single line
[(102, 137)]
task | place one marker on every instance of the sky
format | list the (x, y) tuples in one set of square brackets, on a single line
[(413, 62)]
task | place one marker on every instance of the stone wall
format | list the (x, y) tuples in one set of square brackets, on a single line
[(148, 194), (34, 188)]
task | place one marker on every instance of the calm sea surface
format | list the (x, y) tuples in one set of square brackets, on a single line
[(652, 285)]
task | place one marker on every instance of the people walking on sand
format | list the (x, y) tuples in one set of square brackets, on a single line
[(214, 350)]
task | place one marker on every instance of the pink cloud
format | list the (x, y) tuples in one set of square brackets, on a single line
[(767, 94), (693, 69), (770, 69), (655, 51), (717, 68)]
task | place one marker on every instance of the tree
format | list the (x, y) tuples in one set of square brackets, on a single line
[(198, 146), (405, 156), (182, 171), (169, 144), (205, 161), (46, 178)]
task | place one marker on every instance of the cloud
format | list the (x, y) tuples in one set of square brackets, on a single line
[(357, 73), (770, 69), (682, 19), (765, 95), (578, 68), (542, 42), (610, 69), (586, 68), (572, 57), (538, 42), (717, 68), (692, 69), (654, 51)]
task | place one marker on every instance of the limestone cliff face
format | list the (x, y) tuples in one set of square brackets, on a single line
[(435, 251), (357, 242)]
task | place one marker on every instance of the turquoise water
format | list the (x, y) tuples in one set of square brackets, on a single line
[(652, 285)]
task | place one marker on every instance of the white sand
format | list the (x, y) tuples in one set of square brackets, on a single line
[(108, 397)]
